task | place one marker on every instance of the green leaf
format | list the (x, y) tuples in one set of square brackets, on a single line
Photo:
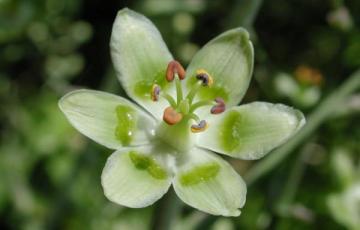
[(250, 131), (140, 58), (135, 177), (229, 59), (208, 183), (108, 119)]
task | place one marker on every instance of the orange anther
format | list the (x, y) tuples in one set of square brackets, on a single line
[(171, 116), (172, 68)]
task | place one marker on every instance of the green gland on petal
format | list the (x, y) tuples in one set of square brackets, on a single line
[(126, 124), (143, 162), (198, 174)]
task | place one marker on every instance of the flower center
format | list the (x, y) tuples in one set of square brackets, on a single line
[(180, 119)]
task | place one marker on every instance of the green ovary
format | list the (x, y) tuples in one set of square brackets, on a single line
[(230, 134), (199, 174), (126, 124), (142, 162)]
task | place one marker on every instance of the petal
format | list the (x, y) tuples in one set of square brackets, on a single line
[(108, 119), (140, 57), (229, 59), (250, 131), (208, 183), (135, 177)]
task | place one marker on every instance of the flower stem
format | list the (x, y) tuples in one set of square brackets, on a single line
[(166, 211), (315, 119)]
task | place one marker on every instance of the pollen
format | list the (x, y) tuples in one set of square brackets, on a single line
[(171, 116), (202, 126), (155, 92), (174, 67), (205, 77), (219, 107)]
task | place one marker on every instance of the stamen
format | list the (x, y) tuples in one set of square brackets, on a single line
[(174, 67), (193, 91), (179, 93), (169, 99), (219, 107), (155, 92), (171, 116), (193, 116), (202, 126), (201, 104), (205, 77)]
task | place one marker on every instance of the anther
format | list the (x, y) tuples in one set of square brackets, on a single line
[(155, 92), (202, 126), (171, 116), (205, 77), (219, 107), (174, 67)]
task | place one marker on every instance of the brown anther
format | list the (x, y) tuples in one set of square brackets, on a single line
[(174, 67), (155, 92), (205, 77), (219, 107), (171, 116), (202, 126)]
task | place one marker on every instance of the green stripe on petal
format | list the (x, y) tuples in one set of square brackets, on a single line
[(229, 59), (108, 119), (140, 57), (251, 131), (135, 177), (208, 183)]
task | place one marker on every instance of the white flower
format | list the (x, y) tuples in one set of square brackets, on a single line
[(173, 145)]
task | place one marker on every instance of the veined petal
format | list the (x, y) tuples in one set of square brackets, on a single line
[(108, 119), (136, 177), (252, 130), (140, 58), (208, 183), (229, 59)]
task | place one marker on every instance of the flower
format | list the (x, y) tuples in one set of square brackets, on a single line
[(171, 144)]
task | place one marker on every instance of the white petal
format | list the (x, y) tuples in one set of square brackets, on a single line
[(140, 58), (252, 130), (229, 59), (108, 119), (136, 177), (208, 183)]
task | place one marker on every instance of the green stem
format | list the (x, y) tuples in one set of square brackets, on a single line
[(315, 119), (169, 99), (166, 212), (292, 182), (193, 92), (201, 104), (193, 116)]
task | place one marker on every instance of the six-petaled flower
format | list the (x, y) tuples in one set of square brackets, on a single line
[(190, 114)]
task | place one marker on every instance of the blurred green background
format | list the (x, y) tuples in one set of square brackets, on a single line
[(307, 53)]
